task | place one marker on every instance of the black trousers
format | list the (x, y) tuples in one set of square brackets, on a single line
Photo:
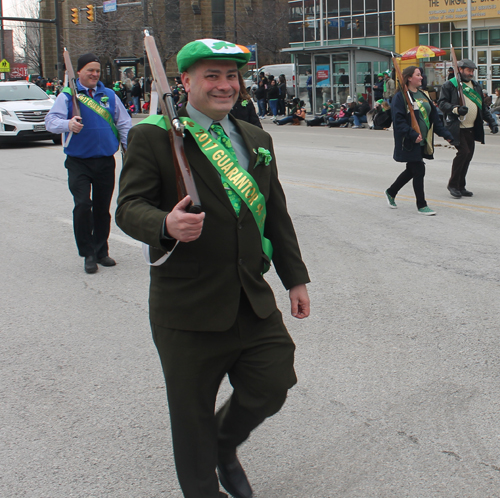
[(460, 165), (415, 171), (257, 354), (91, 181)]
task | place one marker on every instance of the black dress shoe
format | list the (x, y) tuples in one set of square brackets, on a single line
[(90, 264), (234, 480), (455, 192), (466, 193), (107, 261)]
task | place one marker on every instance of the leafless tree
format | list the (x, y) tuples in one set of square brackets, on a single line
[(27, 37), (266, 25)]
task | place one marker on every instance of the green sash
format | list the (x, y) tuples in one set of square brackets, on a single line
[(98, 109), (423, 113), (226, 164), (470, 92)]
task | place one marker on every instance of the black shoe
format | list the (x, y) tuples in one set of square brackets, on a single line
[(107, 261), (455, 192), (90, 264), (466, 193), (234, 480)]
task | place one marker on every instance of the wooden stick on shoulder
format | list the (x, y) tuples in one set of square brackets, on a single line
[(185, 180), (404, 89)]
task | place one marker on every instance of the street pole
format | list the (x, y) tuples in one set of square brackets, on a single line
[(59, 55), (235, 28), (146, 23), (469, 30), (1, 31)]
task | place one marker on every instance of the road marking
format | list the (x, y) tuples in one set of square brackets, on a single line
[(454, 205), (125, 239)]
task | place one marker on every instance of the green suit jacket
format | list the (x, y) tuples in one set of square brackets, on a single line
[(199, 286)]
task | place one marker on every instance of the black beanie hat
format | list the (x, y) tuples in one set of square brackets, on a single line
[(85, 59)]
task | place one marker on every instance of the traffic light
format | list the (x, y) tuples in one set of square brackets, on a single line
[(90, 13), (357, 23), (75, 15)]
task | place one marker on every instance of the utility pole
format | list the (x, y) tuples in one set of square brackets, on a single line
[(2, 43), (60, 63), (146, 22), (235, 27)]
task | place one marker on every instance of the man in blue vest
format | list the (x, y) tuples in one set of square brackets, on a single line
[(96, 137)]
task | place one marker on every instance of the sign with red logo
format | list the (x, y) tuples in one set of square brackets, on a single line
[(19, 71)]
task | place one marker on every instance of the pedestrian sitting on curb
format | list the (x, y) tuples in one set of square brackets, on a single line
[(411, 147), (297, 115), (342, 120), (360, 112)]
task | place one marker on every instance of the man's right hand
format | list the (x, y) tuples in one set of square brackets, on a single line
[(463, 110), (184, 226), (74, 124)]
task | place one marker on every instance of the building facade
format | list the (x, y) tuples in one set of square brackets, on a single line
[(334, 38), (117, 37)]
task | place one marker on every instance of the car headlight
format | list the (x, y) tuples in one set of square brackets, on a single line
[(3, 113)]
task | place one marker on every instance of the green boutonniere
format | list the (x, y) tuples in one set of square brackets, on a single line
[(244, 103), (263, 156), (104, 99)]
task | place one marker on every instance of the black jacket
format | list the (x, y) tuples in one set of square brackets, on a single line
[(405, 148), (361, 109), (246, 113), (449, 99)]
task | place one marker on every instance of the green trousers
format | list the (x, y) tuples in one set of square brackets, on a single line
[(257, 355)]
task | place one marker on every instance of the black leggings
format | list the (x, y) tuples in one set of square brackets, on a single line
[(414, 170)]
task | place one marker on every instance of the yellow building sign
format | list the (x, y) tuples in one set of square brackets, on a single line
[(431, 11), (4, 66)]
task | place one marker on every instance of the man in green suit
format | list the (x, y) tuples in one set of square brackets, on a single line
[(212, 313)]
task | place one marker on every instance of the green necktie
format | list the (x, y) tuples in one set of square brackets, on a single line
[(233, 196)]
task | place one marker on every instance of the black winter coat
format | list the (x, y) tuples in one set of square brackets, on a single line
[(449, 99), (405, 148), (246, 113)]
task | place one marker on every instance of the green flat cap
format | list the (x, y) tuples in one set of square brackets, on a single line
[(211, 49)]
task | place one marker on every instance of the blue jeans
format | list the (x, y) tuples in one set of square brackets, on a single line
[(359, 119), (262, 107), (137, 104), (273, 104), (285, 120), (495, 115)]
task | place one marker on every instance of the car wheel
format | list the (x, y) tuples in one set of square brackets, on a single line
[(58, 140)]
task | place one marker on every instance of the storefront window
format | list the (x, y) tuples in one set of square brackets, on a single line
[(481, 37), (434, 40), (371, 23), (456, 39), (370, 6), (357, 7), (295, 32), (385, 22), (345, 27), (332, 7), (494, 36), (445, 40), (423, 28), (358, 28), (344, 7), (296, 11), (333, 29), (385, 5)]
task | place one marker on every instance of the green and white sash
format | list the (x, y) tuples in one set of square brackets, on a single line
[(470, 93), (98, 109), (423, 113), (226, 164)]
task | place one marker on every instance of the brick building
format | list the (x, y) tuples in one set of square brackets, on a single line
[(116, 37)]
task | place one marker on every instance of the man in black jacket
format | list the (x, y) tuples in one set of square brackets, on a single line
[(465, 123)]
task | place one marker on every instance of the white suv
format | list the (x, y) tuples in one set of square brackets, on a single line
[(23, 107)]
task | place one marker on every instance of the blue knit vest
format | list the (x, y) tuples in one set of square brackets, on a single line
[(96, 138)]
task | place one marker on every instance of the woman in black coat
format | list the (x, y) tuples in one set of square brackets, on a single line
[(411, 147), (244, 108)]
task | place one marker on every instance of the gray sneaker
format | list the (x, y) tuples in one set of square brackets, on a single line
[(390, 201)]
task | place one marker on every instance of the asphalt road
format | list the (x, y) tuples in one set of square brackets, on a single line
[(398, 365)]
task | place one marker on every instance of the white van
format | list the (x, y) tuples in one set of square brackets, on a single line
[(275, 69)]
